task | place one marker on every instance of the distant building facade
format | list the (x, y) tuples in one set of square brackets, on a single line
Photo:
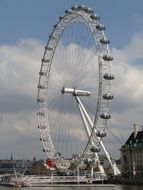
[(132, 155), (7, 166)]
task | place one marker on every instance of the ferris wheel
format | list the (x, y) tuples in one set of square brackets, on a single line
[(74, 89)]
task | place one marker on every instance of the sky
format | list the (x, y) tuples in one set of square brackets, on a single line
[(24, 30)]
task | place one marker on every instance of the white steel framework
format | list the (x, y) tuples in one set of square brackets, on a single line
[(33, 180), (100, 53)]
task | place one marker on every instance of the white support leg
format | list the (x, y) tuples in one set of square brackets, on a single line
[(89, 133), (116, 171), (86, 119)]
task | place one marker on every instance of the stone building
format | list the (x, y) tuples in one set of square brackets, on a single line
[(132, 155)]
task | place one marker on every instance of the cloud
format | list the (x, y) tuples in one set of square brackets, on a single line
[(127, 106), (128, 87), (19, 68)]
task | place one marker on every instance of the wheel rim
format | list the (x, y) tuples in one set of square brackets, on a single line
[(54, 106)]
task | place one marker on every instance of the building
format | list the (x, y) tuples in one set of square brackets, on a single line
[(132, 155), (8, 165)]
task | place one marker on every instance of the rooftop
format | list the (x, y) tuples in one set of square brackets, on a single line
[(135, 139)]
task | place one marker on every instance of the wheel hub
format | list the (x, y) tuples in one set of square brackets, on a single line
[(75, 92)]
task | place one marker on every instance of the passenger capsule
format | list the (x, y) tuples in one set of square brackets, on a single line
[(46, 150), (90, 10), (108, 76), (86, 161), (68, 11), (95, 149), (100, 27), (94, 17), (74, 8), (42, 73), (101, 134), (48, 48), (40, 100), (43, 139), (105, 116), (61, 17), (82, 7), (85, 9), (53, 37), (42, 126), (41, 86), (41, 113), (55, 25), (105, 41), (45, 60), (107, 57), (108, 96)]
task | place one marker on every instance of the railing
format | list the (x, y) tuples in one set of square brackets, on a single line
[(61, 179)]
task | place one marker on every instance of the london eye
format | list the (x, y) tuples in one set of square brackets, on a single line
[(74, 90)]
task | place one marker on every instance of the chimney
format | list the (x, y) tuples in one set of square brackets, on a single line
[(136, 129)]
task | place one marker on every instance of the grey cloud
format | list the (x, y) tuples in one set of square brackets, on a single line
[(17, 103), (19, 67)]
